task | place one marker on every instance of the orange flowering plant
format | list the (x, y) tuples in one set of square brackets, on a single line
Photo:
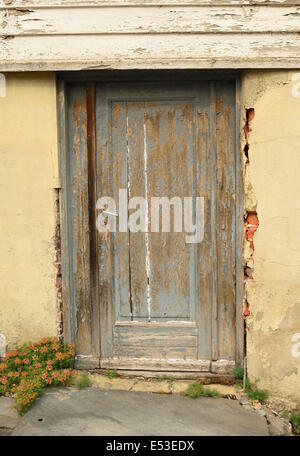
[(25, 371)]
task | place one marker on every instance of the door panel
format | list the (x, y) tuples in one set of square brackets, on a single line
[(155, 340), (160, 289), (169, 152)]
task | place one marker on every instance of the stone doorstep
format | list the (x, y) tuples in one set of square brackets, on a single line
[(206, 378), (156, 386)]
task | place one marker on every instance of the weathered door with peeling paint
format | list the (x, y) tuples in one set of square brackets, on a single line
[(150, 300)]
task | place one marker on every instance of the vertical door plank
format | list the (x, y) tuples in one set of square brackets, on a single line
[(213, 221), (239, 236), (137, 188), (113, 257), (204, 249), (105, 241), (79, 223), (168, 129), (225, 219), (92, 196), (119, 169)]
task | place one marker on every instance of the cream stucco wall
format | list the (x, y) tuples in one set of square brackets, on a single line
[(28, 156), (272, 186), (29, 172)]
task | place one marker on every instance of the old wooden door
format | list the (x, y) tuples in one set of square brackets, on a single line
[(152, 300)]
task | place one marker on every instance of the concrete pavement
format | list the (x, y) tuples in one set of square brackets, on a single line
[(96, 411)]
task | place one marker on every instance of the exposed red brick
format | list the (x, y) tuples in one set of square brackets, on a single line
[(250, 232), (251, 225), (252, 219), (246, 311)]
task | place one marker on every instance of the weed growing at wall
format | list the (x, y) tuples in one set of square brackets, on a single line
[(238, 372), (84, 380), (254, 392), (25, 371), (196, 389), (110, 373), (160, 378), (295, 420)]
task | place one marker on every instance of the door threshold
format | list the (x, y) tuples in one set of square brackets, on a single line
[(204, 377)]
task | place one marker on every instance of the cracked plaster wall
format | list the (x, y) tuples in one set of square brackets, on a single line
[(272, 189), (28, 153)]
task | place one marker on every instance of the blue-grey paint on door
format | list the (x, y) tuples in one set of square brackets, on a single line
[(182, 305)]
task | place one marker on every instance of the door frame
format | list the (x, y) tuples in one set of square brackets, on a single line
[(92, 359)]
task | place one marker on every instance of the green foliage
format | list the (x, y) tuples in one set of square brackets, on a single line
[(254, 392), (295, 420), (160, 378), (238, 372), (26, 370), (197, 389), (110, 373), (285, 414), (84, 380)]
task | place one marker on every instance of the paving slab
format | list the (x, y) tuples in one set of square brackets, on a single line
[(9, 416), (152, 386), (163, 385), (101, 381), (102, 412)]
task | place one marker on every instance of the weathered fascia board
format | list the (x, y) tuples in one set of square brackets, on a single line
[(27, 4), (262, 50), (135, 20)]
